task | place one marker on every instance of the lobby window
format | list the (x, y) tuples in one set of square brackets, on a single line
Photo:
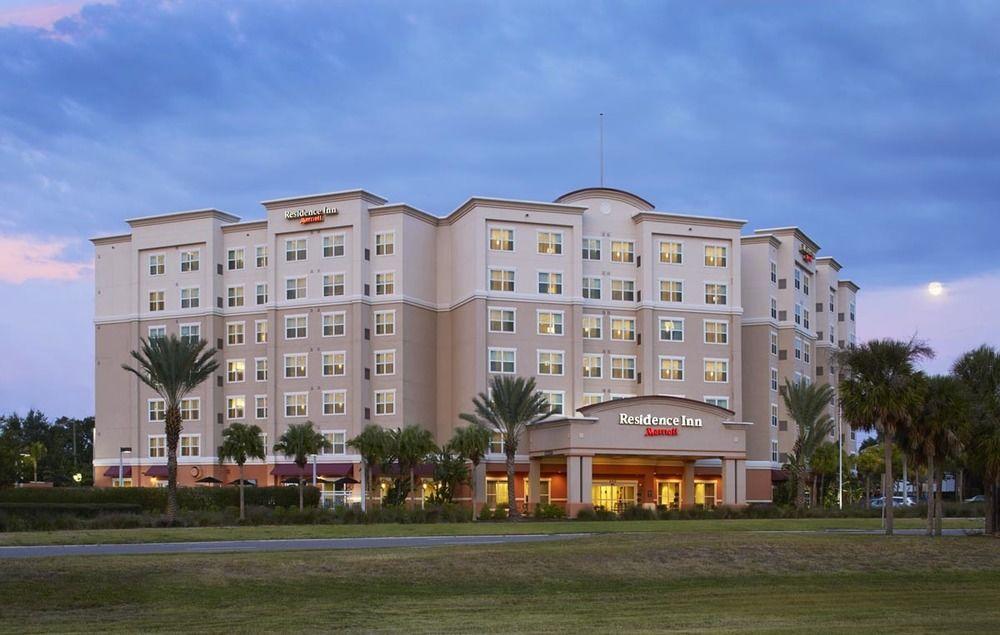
[(798, 314), (295, 288), (157, 446), (774, 415), (385, 362), (549, 283), (295, 327), (156, 301), (671, 329), (502, 320), (260, 292), (385, 243), (550, 362), (501, 239), (774, 342), (334, 324), (296, 365), (501, 280), (234, 296), (385, 402), (260, 368), (496, 492), (334, 364), (671, 291), (550, 243), (261, 256), (591, 248), (774, 273), (296, 404), (774, 380), (190, 445), (716, 371), (592, 327), (234, 258), (157, 410), (235, 333), (623, 290), (235, 371), (385, 283), (156, 332), (157, 264), (716, 332), (774, 308), (623, 329), (623, 367), (591, 287), (715, 256), (592, 366), (333, 284), (496, 445), (260, 410), (191, 409), (190, 333), (671, 368), (190, 260), (503, 360), (385, 322), (336, 441), (671, 252), (556, 399), (774, 451), (333, 245), (550, 322), (335, 403), (622, 251), (722, 402), (236, 407), (715, 293)]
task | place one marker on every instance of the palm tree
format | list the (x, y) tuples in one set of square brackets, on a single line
[(36, 451), (173, 368), (450, 471), (472, 442), (807, 406), (512, 404), (413, 445), (373, 446), (870, 463), (979, 370), (880, 391), (240, 443), (299, 442)]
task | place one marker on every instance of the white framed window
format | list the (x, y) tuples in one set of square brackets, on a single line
[(155, 332), (295, 288), (592, 365), (797, 344), (805, 317), (190, 297), (235, 333), (550, 243), (260, 331), (556, 399), (385, 362), (236, 407), (335, 403), (157, 264), (157, 448), (671, 329), (774, 342), (623, 290), (774, 452), (716, 332), (235, 371), (385, 243), (774, 415), (715, 256), (333, 284), (622, 251), (720, 401), (385, 322), (806, 352), (334, 363), (295, 249), (503, 360), (235, 258), (717, 371), (385, 402), (501, 320), (851, 310), (385, 283), (260, 292), (550, 283), (334, 324), (296, 327), (260, 409), (806, 280), (623, 367), (591, 286), (191, 409), (622, 328), (550, 322), (261, 256), (157, 301), (191, 333), (774, 273), (190, 260), (333, 245), (592, 398), (296, 365), (296, 404), (190, 445), (550, 362), (156, 410), (592, 327), (336, 441), (260, 368), (774, 380), (774, 308), (716, 293), (234, 295), (671, 368), (798, 278), (671, 252), (502, 280), (591, 248), (501, 239), (496, 444), (798, 313), (671, 291)]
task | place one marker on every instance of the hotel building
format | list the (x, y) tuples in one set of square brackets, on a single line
[(660, 339)]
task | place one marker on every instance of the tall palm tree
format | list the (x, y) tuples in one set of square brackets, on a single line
[(472, 443), (298, 442), (512, 404), (979, 370), (240, 443), (880, 391), (807, 406), (36, 451), (373, 446), (173, 368), (450, 471), (413, 445)]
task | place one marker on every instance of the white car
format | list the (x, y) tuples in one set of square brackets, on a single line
[(897, 501)]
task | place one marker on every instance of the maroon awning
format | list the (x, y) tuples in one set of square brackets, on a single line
[(322, 469), (422, 470), (778, 476), (113, 471), (157, 471)]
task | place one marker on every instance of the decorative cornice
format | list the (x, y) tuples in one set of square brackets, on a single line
[(112, 240), (701, 221), (849, 284), (771, 239), (606, 192), (514, 204), (342, 195), (795, 231), (246, 226), (830, 261), (408, 210), (176, 217)]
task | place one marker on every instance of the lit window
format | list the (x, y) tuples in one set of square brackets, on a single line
[(550, 362), (716, 371), (550, 323), (333, 245), (157, 264), (592, 327), (296, 404), (334, 364), (261, 259), (385, 243), (260, 331), (336, 442), (261, 293), (235, 407), (385, 322), (592, 288), (157, 410), (671, 291), (295, 327), (501, 320), (591, 248), (333, 284), (671, 253), (260, 368), (622, 251), (385, 402), (550, 243), (234, 258), (235, 370), (235, 334), (671, 330), (157, 446), (716, 332), (715, 256), (385, 283), (592, 366), (715, 293), (623, 367), (296, 365), (623, 290), (623, 329), (335, 403), (385, 362), (190, 445), (190, 260), (549, 283), (191, 409), (672, 368), (334, 324), (295, 288), (260, 408), (235, 296), (501, 239), (191, 333), (501, 280), (156, 302), (502, 360)]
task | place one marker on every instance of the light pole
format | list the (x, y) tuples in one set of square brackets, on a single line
[(122, 451), (24, 455), (314, 470)]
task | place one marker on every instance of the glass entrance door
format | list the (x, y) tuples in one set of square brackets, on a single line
[(670, 494), (613, 496)]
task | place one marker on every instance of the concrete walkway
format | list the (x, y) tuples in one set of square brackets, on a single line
[(222, 546)]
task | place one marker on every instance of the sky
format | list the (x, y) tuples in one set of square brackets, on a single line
[(873, 126)]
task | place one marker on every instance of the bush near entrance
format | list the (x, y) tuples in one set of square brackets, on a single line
[(154, 499)]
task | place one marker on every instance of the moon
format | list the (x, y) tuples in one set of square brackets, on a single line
[(935, 288)]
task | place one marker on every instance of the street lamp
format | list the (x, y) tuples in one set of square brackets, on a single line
[(24, 455), (122, 451)]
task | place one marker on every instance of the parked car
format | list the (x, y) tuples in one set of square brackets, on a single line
[(897, 501), (978, 498)]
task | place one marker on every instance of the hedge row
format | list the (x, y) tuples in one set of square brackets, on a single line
[(154, 499)]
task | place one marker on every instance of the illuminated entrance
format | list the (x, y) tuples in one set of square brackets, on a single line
[(613, 496), (670, 494)]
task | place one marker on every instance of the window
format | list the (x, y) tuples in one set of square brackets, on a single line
[(798, 314), (190, 445), (335, 403), (622, 251), (774, 309), (715, 256), (550, 362), (671, 368), (774, 342), (805, 317), (722, 402), (798, 348), (334, 364), (623, 290), (502, 320), (592, 327), (333, 284), (235, 334), (157, 264), (503, 360), (592, 365), (592, 288), (715, 293), (333, 245), (807, 352), (385, 402), (295, 288), (191, 409), (260, 331), (550, 243), (671, 253), (235, 296), (234, 258), (549, 283), (260, 409), (261, 259), (774, 273), (556, 399), (851, 310), (716, 332), (385, 243), (235, 371), (296, 404), (798, 279), (774, 415), (385, 362), (336, 442), (156, 302), (717, 371), (591, 248), (774, 451), (296, 365), (295, 249), (385, 283), (806, 279), (501, 280), (190, 260), (671, 291), (774, 380), (550, 322), (260, 368), (334, 324), (501, 239), (236, 407), (623, 367), (623, 329), (671, 329), (157, 332), (385, 322), (261, 293), (592, 398), (295, 327), (157, 446), (157, 409), (496, 445), (190, 333)]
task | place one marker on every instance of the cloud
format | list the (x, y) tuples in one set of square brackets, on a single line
[(41, 15), (24, 258)]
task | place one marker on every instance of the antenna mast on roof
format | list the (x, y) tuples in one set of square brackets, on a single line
[(601, 126)]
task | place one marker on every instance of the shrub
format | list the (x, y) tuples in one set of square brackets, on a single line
[(154, 499), (638, 512), (586, 514), (549, 511)]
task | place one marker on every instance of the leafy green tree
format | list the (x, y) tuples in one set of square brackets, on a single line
[(979, 370), (472, 443), (173, 368), (880, 391), (298, 443), (807, 406), (870, 463), (511, 404), (34, 454), (240, 443), (412, 445), (374, 446), (823, 467), (450, 472)]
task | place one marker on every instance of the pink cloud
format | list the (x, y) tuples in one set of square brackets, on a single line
[(24, 258), (42, 14)]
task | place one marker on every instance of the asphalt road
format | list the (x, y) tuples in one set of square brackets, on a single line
[(221, 546)]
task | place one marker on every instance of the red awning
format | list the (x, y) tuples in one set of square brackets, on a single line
[(322, 469), (157, 471), (778, 476), (113, 471)]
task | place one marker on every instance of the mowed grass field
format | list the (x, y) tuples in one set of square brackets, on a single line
[(700, 580)]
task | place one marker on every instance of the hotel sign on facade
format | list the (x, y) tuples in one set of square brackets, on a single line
[(306, 216)]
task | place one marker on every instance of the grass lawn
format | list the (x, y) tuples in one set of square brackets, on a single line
[(354, 531), (688, 580)]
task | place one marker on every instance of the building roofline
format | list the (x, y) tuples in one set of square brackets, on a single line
[(608, 192), (690, 219), (340, 195), (797, 231), (603, 405), (174, 217), (112, 239), (408, 210), (486, 201), (850, 284), (245, 225), (830, 260), (761, 238)]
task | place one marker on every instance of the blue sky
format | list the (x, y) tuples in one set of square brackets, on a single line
[(871, 125)]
